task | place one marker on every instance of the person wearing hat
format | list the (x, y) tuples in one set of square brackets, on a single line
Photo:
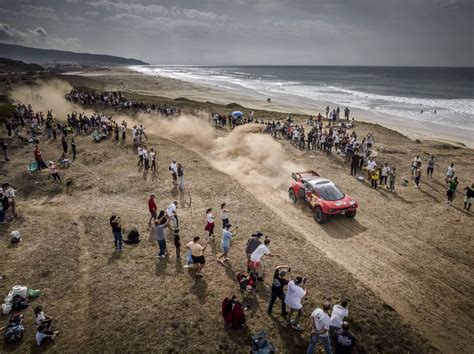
[(256, 258), (227, 235), (252, 244), (279, 282)]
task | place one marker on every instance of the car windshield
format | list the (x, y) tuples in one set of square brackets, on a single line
[(329, 191)]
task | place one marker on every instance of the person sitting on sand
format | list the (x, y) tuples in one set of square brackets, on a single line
[(43, 333), (41, 318)]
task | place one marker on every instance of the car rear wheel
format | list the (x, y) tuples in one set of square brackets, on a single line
[(351, 214), (319, 216), (292, 195)]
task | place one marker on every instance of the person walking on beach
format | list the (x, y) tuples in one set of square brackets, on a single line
[(224, 215), (468, 197), (152, 208), (294, 295), (431, 165), (174, 172), (320, 321), (451, 193), (227, 235), (116, 225), (278, 285), (210, 223), (197, 254), (450, 173)]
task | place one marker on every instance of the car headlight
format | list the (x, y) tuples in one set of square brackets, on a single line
[(352, 202)]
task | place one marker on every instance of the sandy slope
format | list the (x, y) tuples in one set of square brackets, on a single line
[(104, 302)]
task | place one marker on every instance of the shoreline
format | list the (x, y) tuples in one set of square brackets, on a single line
[(175, 88)]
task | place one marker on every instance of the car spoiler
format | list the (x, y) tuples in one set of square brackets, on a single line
[(300, 175)]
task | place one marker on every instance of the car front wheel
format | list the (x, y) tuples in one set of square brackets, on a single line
[(351, 214), (292, 195), (319, 216)]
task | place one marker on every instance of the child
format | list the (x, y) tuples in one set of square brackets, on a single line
[(374, 178), (210, 223), (224, 216)]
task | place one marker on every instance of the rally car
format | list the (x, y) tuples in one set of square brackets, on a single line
[(322, 195)]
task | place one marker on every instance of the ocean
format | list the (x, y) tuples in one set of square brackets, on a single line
[(399, 91)]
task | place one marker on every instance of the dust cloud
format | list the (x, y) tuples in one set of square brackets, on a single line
[(246, 154), (48, 95)]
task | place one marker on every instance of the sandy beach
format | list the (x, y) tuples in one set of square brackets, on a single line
[(130, 80), (405, 262)]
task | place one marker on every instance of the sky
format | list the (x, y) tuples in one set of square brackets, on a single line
[(250, 32)]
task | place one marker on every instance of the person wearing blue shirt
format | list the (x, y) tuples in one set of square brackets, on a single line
[(227, 235)]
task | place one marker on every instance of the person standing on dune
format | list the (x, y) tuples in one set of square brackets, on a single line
[(174, 172), (451, 193), (469, 197), (152, 208)]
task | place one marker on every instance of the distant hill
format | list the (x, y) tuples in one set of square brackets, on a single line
[(52, 57), (10, 65)]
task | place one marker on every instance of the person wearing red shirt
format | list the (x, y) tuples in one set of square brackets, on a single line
[(152, 208), (38, 158)]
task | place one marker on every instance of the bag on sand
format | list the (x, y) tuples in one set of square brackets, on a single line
[(19, 303), (15, 236), (34, 293), (261, 345)]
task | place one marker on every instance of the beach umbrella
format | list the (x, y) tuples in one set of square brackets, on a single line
[(237, 114)]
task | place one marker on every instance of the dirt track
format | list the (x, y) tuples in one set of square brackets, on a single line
[(399, 245)]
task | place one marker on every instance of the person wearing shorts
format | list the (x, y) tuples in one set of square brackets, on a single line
[(197, 254), (227, 235)]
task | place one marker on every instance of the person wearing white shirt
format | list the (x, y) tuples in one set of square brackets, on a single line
[(295, 293), (320, 321), (256, 258), (339, 313), (140, 156), (371, 164), (172, 214), (174, 172)]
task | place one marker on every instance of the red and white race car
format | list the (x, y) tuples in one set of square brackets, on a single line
[(322, 195)]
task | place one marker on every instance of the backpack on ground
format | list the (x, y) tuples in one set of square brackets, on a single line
[(18, 303), (261, 345), (14, 330)]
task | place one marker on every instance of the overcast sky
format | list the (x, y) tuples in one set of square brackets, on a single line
[(339, 32)]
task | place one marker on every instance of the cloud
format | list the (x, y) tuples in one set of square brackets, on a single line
[(130, 7), (37, 37), (154, 10)]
